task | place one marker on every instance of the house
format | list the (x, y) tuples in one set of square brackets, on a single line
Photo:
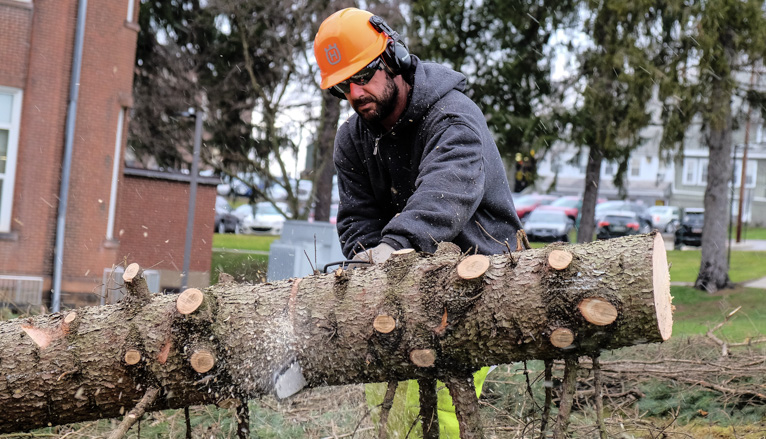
[(654, 177), (41, 119)]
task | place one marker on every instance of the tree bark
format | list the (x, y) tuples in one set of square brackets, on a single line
[(714, 265), (590, 196), (324, 166), (325, 323)]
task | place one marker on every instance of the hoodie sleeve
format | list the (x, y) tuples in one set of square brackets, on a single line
[(448, 189)]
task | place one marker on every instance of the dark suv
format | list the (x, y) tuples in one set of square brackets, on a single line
[(690, 230)]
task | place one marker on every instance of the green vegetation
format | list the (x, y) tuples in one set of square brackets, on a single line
[(243, 242), (697, 312), (745, 265), (751, 233)]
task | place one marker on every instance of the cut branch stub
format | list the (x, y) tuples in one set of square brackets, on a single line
[(70, 317), (597, 311), (384, 323), (131, 272), (559, 259), (472, 266), (404, 251), (202, 360), (132, 356), (562, 337), (189, 300), (423, 357)]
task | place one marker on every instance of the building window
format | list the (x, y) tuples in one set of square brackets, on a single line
[(635, 167), (695, 172), (750, 174), (10, 117), (702, 172), (609, 169)]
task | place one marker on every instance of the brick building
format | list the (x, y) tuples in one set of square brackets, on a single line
[(37, 48)]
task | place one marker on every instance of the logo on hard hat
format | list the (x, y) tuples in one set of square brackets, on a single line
[(333, 54)]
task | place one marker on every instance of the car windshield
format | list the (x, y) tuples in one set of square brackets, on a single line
[(542, 216), (565, 202), (694, 217), (266, 209), (610, 205), (619, 219)]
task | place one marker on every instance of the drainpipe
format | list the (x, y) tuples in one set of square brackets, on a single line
[(66, 166)]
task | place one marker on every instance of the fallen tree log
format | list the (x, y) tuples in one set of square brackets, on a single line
[(417, 316)]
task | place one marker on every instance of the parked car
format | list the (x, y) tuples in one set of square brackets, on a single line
[(613, 224), (689, 232), (548, 225), (645, 219), (265, 218), (225, 220), (527, 203), (665, 218), (570, 205)]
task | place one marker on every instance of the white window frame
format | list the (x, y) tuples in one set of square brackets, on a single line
[(9, 177), (131, 10), (702, 172), (750, 175), (690, 171), (115, 175)]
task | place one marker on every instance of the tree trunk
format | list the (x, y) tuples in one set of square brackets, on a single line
[(590, 196), (714, 266), (230, 344), (323, 159)]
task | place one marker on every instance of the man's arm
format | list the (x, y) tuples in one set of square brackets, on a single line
[(449, 188), (360, 220)]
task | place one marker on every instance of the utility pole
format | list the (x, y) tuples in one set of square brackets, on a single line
[(199, 116), (744, 164)]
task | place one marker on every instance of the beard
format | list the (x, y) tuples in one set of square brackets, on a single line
[(383, 105)]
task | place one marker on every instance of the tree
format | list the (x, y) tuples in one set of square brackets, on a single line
[(617, 79), (713, 40), (237, 60), (415, 316), (503, 48)]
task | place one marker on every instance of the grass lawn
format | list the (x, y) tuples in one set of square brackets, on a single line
[(243, 242), (751, 232), (698, 311), (745, 265)]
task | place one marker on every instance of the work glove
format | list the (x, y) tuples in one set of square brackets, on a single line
[(379, 254)]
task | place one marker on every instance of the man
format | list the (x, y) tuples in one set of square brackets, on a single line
[(416, 164)]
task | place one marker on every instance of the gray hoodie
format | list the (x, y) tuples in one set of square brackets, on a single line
[(436, 176)]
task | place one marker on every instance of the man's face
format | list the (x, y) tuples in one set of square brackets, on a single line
[(375, 100)]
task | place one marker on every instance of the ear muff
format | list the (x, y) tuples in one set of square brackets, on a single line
[(336, 93), (396, 56)]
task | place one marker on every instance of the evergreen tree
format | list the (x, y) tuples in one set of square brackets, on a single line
[(709, 42)]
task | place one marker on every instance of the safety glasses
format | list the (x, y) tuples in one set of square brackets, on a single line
[(361, 77)]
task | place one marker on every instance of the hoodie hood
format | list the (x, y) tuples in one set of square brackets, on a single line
[(430, 82)]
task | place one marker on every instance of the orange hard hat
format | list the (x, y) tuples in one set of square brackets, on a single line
[(345, 44)]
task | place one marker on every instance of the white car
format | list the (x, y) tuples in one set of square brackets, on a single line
[(665, 218), (263, 217)]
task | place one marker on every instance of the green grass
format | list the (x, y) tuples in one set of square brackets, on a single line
[(698, 311), (751, 232), (745, 265), (243, 242)]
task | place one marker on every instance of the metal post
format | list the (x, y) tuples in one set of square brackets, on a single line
[(66, 166), (199, 116), (731, 205)]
